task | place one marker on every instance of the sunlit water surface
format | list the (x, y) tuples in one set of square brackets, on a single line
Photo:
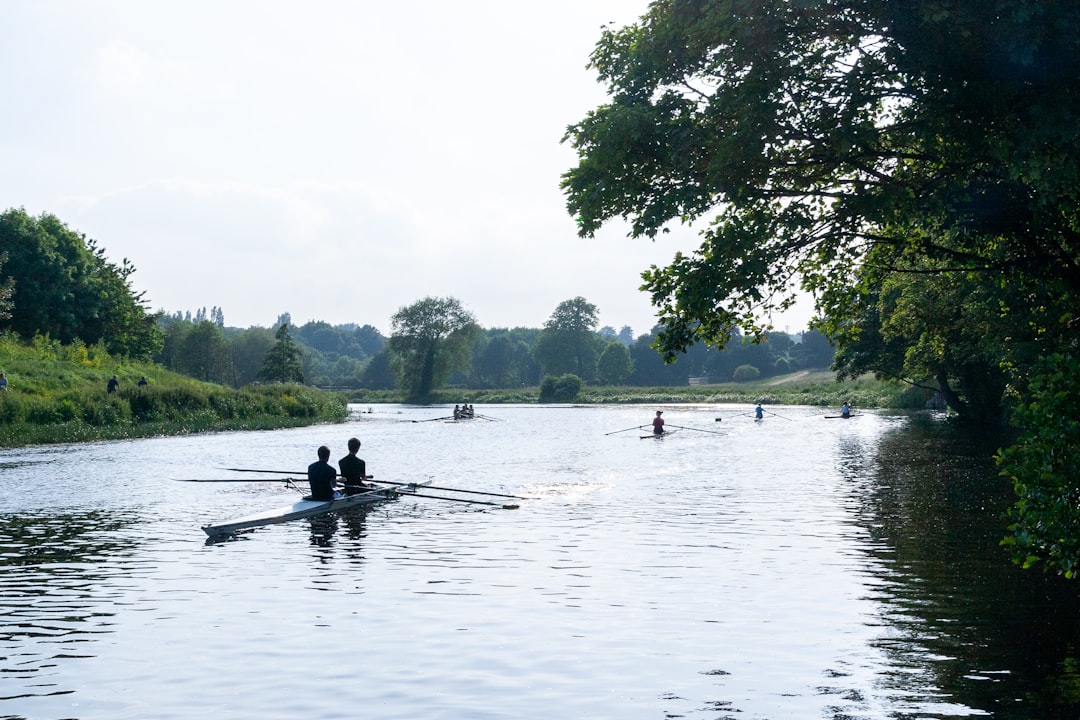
[(792, 568)]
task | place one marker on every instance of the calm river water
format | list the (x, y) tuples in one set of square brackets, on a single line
[(797, 567)]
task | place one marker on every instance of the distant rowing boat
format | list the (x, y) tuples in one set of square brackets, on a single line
[(306, 508), (659, 436)]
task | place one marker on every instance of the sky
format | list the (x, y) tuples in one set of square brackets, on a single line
[(333, 160)]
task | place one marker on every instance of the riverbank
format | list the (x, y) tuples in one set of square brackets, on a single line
[(59, 394), (805, 387)]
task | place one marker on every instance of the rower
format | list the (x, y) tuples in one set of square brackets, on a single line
[(845, 410), (321, 476), (658, 423), (353, 470)]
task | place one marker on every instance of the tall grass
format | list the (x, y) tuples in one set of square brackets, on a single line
[(57, 393)]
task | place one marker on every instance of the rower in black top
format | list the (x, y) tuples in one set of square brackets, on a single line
[(353, 470), (322, 476)]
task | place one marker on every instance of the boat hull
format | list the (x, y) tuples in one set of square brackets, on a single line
[(300, 509)]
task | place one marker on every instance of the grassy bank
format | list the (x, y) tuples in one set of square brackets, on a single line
[(818, 388), (57, 393)]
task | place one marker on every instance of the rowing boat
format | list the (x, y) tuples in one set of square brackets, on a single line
[(306, 508), (659, 436)]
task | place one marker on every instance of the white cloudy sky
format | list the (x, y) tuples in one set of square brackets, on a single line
[(330, 159)]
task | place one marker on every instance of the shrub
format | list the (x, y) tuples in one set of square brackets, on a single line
[(560, 388), (746, 373)]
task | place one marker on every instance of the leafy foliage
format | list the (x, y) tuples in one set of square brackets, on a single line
[(614, 365), (282, 362), (57, 394), (64, 287), (810, 134), (431, 338), (569, 342), (1044, 467), (560, 388)]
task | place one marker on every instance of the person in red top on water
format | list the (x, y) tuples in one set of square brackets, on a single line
[(658, 423)]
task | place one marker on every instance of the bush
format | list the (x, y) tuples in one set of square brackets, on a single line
[(746, 373), (560, 388)]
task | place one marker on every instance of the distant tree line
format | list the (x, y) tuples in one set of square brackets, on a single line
[(57, 283), (435, 342)]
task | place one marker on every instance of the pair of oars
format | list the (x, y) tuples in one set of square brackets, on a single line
[(398, 484), (638, 427)]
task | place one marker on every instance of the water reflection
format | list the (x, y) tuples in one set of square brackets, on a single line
[(957, 609), (53, 602), (794, 568)]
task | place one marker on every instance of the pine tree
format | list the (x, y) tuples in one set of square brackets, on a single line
[(282, 362)]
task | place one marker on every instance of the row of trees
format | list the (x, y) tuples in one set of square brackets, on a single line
[(56, 282), (915, 165), (436, 341)]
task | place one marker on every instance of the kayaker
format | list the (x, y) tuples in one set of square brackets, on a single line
[(322, 476), (353, 470), (658, 423)]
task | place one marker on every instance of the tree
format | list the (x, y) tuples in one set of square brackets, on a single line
[(430, 339), (569, 342), (614, 365), (283, 361), (810, 134), (65, 288), (249, 349), (199, 350), (7, 289), (835, 145), (378, 373)]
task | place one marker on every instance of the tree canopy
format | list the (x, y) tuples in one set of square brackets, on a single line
[(283, 362), (65, 288), (812, 136), (569, 342), (912, 164), (430, 339)]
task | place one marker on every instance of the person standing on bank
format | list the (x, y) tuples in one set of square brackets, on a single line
[(113, 386), (658, 423), (322, 476), (353, 470), (3, 382)]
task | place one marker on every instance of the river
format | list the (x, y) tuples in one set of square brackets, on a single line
[(797, 567)]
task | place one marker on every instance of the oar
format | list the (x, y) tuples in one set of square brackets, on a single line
[(450, 489), (486, 417), (779, 416), (448, 417), (698, 429), (636, 427), (384, 482), (277, 480), (460, 500)]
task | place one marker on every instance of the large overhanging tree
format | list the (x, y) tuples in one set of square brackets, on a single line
[(810, 134), (914, 164), (430, 339)]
